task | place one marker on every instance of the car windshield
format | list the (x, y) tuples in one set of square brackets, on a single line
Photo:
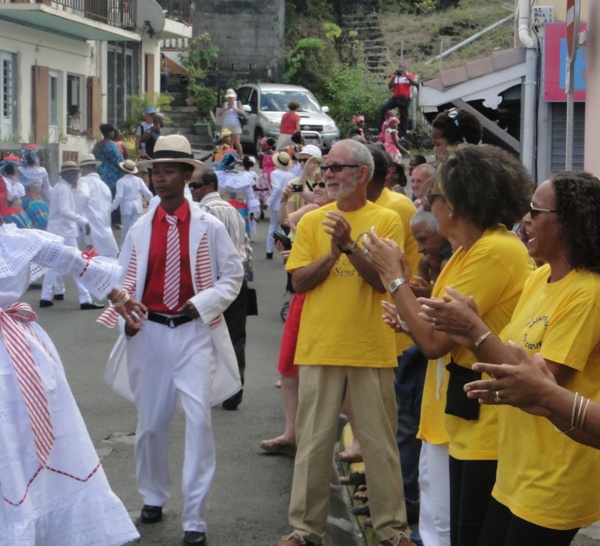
[(277, 101)]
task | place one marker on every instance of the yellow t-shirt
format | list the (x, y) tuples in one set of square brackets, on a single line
[(341, 319), (431, 426), (405, 208), (493, 271), (544, 477)]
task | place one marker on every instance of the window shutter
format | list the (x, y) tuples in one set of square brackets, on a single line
[(94, 100), (41, 106)]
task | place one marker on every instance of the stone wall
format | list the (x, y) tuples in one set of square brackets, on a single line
[(250, 36)]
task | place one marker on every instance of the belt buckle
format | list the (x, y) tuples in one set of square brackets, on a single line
[(171, 322)]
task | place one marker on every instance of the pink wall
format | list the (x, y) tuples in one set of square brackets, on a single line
[(592, 106)]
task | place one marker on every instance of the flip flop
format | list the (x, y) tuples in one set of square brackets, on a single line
[(277, 446), (356, 478), (361, 494)]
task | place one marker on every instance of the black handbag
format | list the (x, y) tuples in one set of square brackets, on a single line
[(243, 120), (457, 402)]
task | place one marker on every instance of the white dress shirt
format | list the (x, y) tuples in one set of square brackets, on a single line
[(130, 190), (62, 218)]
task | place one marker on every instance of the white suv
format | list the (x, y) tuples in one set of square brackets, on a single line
[(265, 104)]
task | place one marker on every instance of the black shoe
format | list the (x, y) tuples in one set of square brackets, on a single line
[(269, 255), (85, 306), (234, 401), (59, 297), (151, 514), (361, 510), (195, 538), (46, 303)]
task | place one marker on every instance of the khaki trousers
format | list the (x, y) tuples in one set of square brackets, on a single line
[(373, 399)]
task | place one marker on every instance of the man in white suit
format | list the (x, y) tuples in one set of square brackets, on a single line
[(94, 201), (184, 342), (63, 220)]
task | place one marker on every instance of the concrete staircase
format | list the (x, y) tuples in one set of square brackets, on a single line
[(364, 19), (183, 118)]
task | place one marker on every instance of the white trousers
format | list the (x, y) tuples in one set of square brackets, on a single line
[(55, 284), (434, 483), (128, 220), (165, 364), (273, 225)]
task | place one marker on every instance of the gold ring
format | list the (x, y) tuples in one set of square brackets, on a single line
[(497, 398)]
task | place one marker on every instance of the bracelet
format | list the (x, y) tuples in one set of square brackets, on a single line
[(125, 299), (573, 414), (481, 339), (404, 325), (584, 413)]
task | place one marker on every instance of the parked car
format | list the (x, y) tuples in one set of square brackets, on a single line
[(265, 104)]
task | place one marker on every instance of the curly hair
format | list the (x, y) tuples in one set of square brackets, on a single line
[(578, 211), (485, 185), (464, 126)]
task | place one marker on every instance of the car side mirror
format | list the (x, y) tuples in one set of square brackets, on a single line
[(246, 108), (325, 109)]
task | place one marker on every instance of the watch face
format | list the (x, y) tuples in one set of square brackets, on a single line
[(395, 284)]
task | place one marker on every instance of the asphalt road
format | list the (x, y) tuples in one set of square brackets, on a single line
[(250, 494)]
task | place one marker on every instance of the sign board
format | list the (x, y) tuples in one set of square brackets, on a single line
[(540, 15), (573, 7), (556, 61)]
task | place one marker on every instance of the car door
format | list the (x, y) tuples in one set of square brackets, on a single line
[(245, 95)]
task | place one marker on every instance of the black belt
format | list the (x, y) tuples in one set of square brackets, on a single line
[(171, 322)]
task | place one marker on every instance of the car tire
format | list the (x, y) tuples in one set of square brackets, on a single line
[(258, 136)]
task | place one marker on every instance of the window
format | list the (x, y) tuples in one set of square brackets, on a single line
[(75, 98), (7, 84), (53, 107)]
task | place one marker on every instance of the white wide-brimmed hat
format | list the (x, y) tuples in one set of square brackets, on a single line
[(230, 93), (128, 166), (89, 160), (283, 161), (173, 149)]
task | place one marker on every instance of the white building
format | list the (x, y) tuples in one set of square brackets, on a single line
[(90, 53)]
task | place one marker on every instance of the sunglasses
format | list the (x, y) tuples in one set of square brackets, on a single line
[(318, 185), (302, 159), (337, 168), (196, 185), (431, 197), (534, 212)]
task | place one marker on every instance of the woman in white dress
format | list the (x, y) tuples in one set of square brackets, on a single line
[(53, 490)]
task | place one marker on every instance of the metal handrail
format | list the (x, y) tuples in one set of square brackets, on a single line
[(179, 10)]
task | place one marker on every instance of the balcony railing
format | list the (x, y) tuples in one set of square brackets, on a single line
[(117, 13), (179, 10)]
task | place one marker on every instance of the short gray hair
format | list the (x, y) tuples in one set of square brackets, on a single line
[(431, 170), (426, 217), (359, 154)]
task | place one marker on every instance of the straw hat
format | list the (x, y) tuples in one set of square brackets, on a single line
[(89, 160), (128, 166), (173, 149), (230, 93), (69, 166), (283, 161), (225, 133)]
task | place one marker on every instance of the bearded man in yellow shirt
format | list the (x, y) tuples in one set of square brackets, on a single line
[(343, 344)]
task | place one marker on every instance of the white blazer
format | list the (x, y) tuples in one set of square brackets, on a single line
[(227, 274)]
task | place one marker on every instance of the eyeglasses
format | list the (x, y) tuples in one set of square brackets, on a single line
[(302, 159), (534, 212), (318, 185), (196, 185), (337, 168)]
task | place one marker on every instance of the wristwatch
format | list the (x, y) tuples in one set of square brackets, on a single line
[(395, 284), (350, 250)]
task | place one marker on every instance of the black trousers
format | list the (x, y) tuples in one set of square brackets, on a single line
[(235, 317), (402, 103), (502, 528), (471, 484)]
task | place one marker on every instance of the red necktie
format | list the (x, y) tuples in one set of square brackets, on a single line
[(173, 264), (13, 333)]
